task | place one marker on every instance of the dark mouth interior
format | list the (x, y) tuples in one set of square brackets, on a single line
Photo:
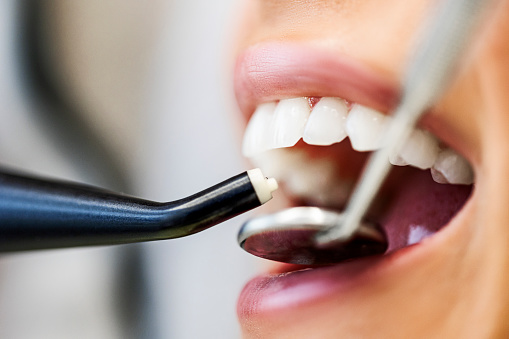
[(409, 207), (420, 207)]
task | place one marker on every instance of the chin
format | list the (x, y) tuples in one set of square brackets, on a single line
[(313, 118)]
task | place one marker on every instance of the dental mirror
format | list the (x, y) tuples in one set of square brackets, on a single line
[(290, 236)]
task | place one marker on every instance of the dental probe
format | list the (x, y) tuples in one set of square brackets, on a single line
[(43, 214), (313, 235)]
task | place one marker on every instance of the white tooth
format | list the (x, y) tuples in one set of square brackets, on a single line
[(315, 180), (289, 121), (397, 160), (278, 163), (365, 127), (452, 168), (312, 179), (326, 124), (256, 134), (420, 150)]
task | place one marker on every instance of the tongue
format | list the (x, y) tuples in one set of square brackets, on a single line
[(420, 208)]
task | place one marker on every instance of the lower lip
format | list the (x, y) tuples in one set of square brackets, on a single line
[(277, 292)]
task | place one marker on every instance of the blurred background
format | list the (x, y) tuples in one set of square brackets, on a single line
[(136, 97)]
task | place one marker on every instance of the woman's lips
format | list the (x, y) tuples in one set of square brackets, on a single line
[(273, 71), (279, 291)]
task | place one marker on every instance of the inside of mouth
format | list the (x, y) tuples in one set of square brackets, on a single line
[(410, 207), (419, 207)]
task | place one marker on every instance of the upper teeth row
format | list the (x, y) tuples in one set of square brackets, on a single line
[(283, 124)]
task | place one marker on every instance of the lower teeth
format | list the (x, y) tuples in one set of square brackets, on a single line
[(313, 180)]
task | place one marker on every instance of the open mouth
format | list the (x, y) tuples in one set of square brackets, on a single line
[(314, 118), (316, 148)]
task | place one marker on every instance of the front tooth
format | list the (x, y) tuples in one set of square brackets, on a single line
[(397, 160), (316, 182), (326, 124), (420, 150), (278, 163), (365, 127), (452, 168), (289, 121), (256, 134)]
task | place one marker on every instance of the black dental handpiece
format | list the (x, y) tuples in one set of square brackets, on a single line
[(42, 214)]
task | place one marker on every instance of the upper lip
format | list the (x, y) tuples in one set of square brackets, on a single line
[(273, 71)]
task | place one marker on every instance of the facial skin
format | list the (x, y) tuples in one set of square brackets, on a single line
[(457, 288)]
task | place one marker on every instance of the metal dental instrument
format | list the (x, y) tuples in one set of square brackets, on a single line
[(290, 236), (41, 214), (311, 235)]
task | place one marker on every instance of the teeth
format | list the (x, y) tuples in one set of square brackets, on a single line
[(289, 121), (278, 163), (256, 135), (317, 181), (326, 124), (419, 151), (452, 168), (281, 125), (365, 127)]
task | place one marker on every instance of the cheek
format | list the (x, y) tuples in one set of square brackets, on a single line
[(474, 109), (244, 24), (458, 117)]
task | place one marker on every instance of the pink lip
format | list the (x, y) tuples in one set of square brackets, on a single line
[(275, 292), (272, 71)]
